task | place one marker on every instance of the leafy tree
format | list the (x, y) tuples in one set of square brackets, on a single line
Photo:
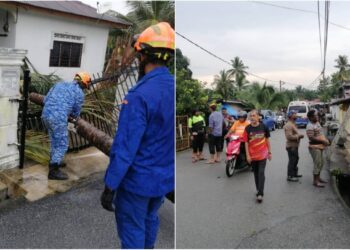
[(189, 94), (262, 96), (182, 62), (146, 13), (241, 82)]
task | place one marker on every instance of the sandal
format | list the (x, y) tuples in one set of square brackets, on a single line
[(318, 184)]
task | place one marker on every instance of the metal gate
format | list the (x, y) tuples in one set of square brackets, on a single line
[(182, 133)]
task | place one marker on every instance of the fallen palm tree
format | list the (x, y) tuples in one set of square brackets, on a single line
[(96, 137)]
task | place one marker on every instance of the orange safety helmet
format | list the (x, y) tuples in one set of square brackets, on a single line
[(156, 40), (83, 77)]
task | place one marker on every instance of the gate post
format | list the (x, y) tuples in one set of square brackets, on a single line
[(10, 68)]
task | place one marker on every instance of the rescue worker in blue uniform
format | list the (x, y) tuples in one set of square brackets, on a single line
[(63, 100), (141, 167)]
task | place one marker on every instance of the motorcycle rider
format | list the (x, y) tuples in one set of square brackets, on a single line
[(238, 129)]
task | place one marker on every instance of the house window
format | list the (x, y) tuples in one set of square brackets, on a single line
[(66, 54)]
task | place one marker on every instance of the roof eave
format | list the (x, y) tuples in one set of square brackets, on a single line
[(65, 14)]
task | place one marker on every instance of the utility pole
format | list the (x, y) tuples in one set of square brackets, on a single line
[(281, 83)]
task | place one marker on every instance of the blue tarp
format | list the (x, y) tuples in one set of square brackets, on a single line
[(230, 110)]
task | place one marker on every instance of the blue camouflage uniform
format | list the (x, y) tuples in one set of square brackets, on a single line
[(141, 166), (63, 99)]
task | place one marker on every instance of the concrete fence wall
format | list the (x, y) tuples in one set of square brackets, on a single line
[(10, 62)]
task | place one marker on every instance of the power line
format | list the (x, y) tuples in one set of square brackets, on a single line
[(327, 5), (210, 53), (319, 28), (227, 62), (284, 7), (314, 81), (300, 10)]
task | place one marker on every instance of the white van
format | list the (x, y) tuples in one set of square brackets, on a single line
[(302, 107)]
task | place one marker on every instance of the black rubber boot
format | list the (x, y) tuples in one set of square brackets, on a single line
[(63, 164), (55, 173)]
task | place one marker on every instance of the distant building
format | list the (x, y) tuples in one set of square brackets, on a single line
[(61, 37), (233, 107)]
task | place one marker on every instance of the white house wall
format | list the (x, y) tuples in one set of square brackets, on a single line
[(34, 33)]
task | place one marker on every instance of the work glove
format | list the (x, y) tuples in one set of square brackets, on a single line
[(107, 199), (71, 127)]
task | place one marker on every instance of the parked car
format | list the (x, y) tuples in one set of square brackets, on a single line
[(268, 119)]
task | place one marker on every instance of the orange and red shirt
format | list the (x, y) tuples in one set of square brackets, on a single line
[(257, 141), (239, 127)]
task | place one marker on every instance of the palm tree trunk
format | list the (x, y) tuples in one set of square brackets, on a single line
[(96, 137)]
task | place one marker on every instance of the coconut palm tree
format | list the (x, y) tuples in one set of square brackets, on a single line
[(241, 82), (224, 85), (146, 13), (342, 63), (263, 96), (238, 68), (343, 66), (269, 98)]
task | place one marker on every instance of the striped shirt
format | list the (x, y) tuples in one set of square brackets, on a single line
[(313, 130)]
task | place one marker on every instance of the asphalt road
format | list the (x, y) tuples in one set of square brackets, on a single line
[(214, 211), (73, 219)]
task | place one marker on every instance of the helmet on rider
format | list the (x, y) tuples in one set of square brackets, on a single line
[(242, 114), (83, 78), (291, 112)]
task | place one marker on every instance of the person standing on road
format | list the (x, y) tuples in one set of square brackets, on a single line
[(257, 145), (141, 167), (63, 100), (215, 134), (292, 146), (317, 143), (196, 125)]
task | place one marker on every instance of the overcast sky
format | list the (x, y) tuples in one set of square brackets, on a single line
[(277, 44)]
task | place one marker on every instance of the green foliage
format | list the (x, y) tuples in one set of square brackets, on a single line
[(189, 94), (224, 85), (41, 84), (37, 147), (232, 84), (263, 96), (146, 13)]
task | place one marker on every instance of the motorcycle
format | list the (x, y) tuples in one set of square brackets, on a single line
[(280, 122), (234, 161)]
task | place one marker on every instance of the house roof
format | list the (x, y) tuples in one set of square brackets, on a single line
[(235, 102), (75, 8)]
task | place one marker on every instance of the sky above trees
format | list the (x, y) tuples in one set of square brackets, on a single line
[(275, 43)]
